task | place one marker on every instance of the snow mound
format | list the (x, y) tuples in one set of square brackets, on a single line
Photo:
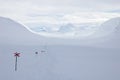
[(12, 32), (10, 27), (109, 27), (108, 34)]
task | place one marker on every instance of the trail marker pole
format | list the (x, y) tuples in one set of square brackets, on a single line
[(16, 56)]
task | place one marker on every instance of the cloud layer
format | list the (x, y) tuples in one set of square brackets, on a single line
[(59, 11)]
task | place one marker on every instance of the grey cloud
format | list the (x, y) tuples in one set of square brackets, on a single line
[(66, 5)]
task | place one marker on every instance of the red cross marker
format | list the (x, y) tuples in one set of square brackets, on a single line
[(17, 54)]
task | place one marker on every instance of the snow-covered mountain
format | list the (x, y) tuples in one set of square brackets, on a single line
[(39, 29), (66, 28), (108, 27), (108, 34), (8, 26), (15, 33), (43, 27)]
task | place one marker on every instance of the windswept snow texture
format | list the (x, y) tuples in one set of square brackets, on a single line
[(56, 61)]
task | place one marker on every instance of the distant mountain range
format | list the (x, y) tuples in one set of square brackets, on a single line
[(62, 28)]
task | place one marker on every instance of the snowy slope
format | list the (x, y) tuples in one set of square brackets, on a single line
[(13, 32), (108, 27), (58, 62), (108, 35)]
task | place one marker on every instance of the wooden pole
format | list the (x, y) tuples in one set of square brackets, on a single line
[(16, 64), (16, 57)]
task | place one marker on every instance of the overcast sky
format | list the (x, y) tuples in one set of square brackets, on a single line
[(59, 11)]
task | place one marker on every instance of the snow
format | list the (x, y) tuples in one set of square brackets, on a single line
[(57, 59), (108, 27), (15, 33)]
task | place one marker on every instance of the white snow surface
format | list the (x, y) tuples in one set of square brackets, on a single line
[(93, 58)]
